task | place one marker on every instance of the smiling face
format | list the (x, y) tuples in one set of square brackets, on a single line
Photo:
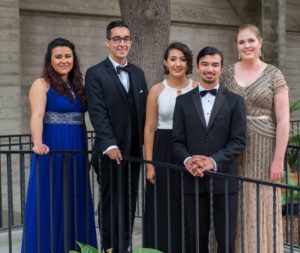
[(119, 44), (209, 68), (62, 61), (248, 44), (176, 63)]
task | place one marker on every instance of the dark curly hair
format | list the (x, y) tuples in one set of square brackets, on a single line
[(74, 76), (187, 54)]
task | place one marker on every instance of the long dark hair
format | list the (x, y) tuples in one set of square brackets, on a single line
[(54, 79)]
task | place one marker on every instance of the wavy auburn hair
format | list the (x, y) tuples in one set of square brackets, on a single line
[(74, 76)]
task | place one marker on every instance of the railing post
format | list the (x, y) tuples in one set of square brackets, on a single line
[(1, 208), (183, 222), (197, 213), (121, 207), (66, 205), (226, 217), (51, 202), (87, 189), (257, 219), (37, 171), (10, 201)]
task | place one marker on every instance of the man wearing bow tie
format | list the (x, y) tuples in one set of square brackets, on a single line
[(209, 132), (116, 93)]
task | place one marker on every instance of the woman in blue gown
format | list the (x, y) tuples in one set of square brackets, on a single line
[(59, 184)]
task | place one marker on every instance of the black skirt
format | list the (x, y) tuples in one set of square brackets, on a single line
[(163, 220)]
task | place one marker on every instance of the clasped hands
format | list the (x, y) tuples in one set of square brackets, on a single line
[(198, 164)]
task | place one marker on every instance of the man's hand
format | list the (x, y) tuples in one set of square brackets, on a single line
[(204, 162), (198, 164), (193, 166), (115, 154)]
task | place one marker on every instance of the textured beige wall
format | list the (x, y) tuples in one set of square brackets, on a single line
[(9, 67), (84, 22), (293, 15), (198, 23), (293, 65), (87, 33)]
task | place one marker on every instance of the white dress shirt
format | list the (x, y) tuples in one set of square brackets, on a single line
[(207, 103), (123, 76)]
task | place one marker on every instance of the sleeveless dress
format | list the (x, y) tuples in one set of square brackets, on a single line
[(63, 129), (156, 198), (255, 162)]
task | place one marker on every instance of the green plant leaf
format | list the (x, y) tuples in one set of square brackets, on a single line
[(84, 248), (146, 250), (294, 106)]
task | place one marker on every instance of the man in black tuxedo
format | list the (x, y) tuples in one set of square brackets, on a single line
[(116, 93), (209, 131)]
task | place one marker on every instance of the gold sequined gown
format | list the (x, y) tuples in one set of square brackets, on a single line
[(256, 160)]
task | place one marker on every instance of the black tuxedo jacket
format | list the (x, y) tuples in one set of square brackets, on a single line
[(109, 109), (223, 139)]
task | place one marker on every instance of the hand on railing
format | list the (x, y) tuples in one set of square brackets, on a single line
[(276, 170), (115, 154), (150, 173), (40, 149)]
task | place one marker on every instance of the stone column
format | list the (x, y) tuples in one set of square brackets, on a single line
[(10, 87), (273, 26), (270, 17)]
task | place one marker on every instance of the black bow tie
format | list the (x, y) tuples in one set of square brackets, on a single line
[(212, 91), (119, 69)]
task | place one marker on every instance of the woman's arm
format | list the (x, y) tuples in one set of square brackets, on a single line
[(281, 103), (150, 128), (38, 100)]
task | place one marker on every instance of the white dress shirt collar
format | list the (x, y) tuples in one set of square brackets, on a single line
[(216, 87), (115, 64)]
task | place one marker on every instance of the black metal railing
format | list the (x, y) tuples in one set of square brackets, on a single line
[(295, 127), (14, 171)]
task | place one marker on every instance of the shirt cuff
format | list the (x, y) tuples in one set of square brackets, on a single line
[(215, 168), (186, 159), (110, 148)]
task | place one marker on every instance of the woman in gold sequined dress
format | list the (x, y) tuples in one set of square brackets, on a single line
[(267, 106)]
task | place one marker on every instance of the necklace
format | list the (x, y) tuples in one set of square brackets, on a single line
[(71, 90), (178, 89)]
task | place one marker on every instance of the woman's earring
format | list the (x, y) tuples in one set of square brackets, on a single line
[(260, 54), (166, 70), (240, 58)]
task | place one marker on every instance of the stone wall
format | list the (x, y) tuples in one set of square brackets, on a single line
[(10, 109), (197, 23), (34, 23)]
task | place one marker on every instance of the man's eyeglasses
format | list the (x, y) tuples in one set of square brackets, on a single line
[(118, 39)]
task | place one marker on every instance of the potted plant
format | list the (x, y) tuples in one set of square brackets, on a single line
[(293, 159)]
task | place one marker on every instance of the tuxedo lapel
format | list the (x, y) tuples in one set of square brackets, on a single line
[(113, 74), (219, 100), (134, 86), (198, 105)]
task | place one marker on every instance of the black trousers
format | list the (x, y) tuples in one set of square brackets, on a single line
[(110, 199), (204, 221)]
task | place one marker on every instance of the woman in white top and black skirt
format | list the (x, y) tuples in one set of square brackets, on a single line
[(163, 194)]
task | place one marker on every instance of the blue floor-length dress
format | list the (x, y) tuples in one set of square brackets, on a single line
[(60, 133)]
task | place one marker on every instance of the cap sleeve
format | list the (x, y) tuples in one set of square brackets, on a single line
[(279, 82)]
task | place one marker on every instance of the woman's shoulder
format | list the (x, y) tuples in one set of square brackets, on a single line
[(156, 88), (41, 84)]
